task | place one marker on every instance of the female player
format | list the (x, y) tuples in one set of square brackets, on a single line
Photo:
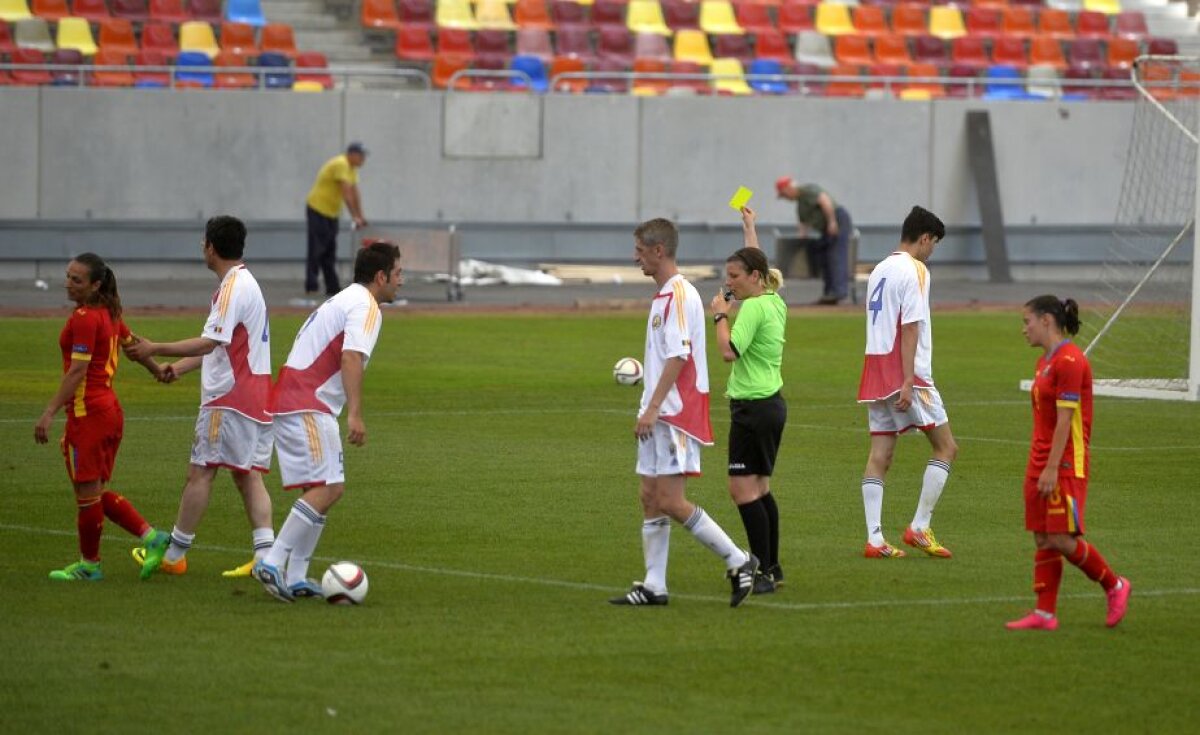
[(1057, 474), (757, 411), (89, 344)]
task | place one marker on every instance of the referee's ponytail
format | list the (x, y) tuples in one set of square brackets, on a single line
[(754, 261)]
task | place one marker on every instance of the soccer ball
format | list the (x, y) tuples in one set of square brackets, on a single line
[(627, 371), (344, 583)]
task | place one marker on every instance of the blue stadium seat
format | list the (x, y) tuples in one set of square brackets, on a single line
[(766, 86), (997, 86), (535, 68), (276, 80), (249, 12), (193, 69)]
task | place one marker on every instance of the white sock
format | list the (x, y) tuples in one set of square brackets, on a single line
[(707, 532), (936, 473), (180, 543), (303, 548), (872, 490), (293, 529), (656, 542), (263, 538)]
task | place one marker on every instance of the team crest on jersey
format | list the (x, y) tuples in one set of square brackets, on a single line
[(656, 322)]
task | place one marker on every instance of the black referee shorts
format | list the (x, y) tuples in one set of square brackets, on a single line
[(755, 430)]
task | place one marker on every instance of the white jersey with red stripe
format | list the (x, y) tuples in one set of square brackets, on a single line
[(237, 374), (897, 294), (312, 378), (676, 329)]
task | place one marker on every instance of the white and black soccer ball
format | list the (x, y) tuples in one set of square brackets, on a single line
[(627, 371), (344, 583)]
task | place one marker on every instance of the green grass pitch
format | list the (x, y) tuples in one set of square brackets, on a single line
[(495, 509)]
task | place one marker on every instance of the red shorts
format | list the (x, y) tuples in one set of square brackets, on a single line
[(1062, 511), (90, 444)]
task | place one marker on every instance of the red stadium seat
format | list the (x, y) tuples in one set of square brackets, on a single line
[(232, 79), (50, 9), (151, 57), (379, 14), (984, 22), (699, 86), (6, 40), (316, 62), (160, 37), (608, 13), (837, 86), (1122, 52), (66, 57), (445, 67), (566, 13), (455, 42), (681, 14), (795, 18), (732, 47), (1010, 51), (1123, 92), (238, 38), (615, 44), (969, 51), (416, 13), (1078, 73), (1092, 24), (753, 17), (1085, 53), (650, 66), (104, 77), (1162, 47), (169, 11), (1131, 24), (772, 45), (93, 10), (609, 85), (493, 45), (134, 10), (930, 50), (414, 44), (574, 40), (30, 77), (208, 11)]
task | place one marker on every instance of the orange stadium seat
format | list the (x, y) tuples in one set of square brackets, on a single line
[(278, 37), (455, 42), (160, 37), (869, 20), (379, 14), (839, 86), (1158, 78), (892, 51), (1018, 22), (232, 79), (1122, 52), (444, 67), (650, 86), (169, 11), (116, 34), (984, 22), (93, 10), (105, 77), (922, 90), (908, 19), (997, 4), (239, 38), (532, 14), (969, 51), (772, 45), (795, 18), (1189, 83), (1047, 51), (754, 17), (50, 9), (567, 65), (852, 51), (414, 44), (1010, 51), (1055, 23), (1092, 24)]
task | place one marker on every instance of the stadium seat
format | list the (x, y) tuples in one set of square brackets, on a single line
[(1131, 24), (1090, 24), (278, 37), (1079, 91), (833, 19), (50, 9), (764, 68), (159, 37), (168, 11), (150, 79), (232, 79), (772, 45), (455, 14), (116, 34), (566, 13), (689, 86), (455, 42), (414, 44), (1042, 81), (812, 47), (535, 69), (796, 18), (76, 33), (1123, 91), (134, 10), (493, 15), (1003, 83), (574, 40), (922, 90), (608, 13), (193, 69), (30, 77), (908, 19), (317, 66), (492, 49), (650, 86), (1154, 47), (196, 35), (249, 12), (869, 20), (532, 14), (612, 84), (753, 17), (717, 18), (110, 77), (945, 21), (1189, 83), (734, 82), (681, 14), (33, 33), (238, 38), (6, 40), (969, 51), (93, 10), (307, 85), (812, 85), (692, 45), (1056, 24), (532, 42), (1047, 51), (567, 65), (983, 22), (1108, 7), (646, 16), (66, 57), (276, 61), (852, 51), (1157, 79), (930, 50), (1009, 51), (651, 46), (1085, 53), (415, 13), (444, 67), (379, 14), (733, 47), (1018, 22), (963, 82), (839, 86), (14, 10), (1122, 52), (208, 11), (892, 51)]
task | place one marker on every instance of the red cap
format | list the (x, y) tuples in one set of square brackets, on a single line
[(781, 185)]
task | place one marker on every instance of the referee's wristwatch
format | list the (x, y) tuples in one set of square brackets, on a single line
[(719, 316)]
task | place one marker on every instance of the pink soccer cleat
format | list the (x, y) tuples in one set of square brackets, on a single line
[(1033, 621), (1118, 601)]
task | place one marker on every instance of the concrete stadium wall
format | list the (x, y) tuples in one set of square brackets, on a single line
[(134, 173)]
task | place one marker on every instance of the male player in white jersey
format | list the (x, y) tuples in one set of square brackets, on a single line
[(323, 374), (673, 423), (897, 383), (233, 429)]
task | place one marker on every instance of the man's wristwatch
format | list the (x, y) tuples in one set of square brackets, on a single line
[(718, 317)]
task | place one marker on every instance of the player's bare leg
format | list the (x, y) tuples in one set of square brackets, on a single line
[(257, 502)]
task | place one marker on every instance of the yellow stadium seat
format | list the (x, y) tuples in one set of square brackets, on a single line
[(196, 35), (307, 86), (77, 34), (946, 21), (692, 45), (833, 19), (493, 15), (14, 10), (456, 14), (646, 16), (717, 18), (1108, 7), (732, 68)]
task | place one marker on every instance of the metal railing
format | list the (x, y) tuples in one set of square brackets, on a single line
[(80, 75)]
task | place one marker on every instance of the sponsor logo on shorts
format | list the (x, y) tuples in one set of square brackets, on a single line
[(737, 465)]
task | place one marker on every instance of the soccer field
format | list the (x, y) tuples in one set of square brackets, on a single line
[(495, 510)]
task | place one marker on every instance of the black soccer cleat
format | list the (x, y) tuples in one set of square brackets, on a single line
[(742, 580), (763, 584), (639, 595), (775, 572)]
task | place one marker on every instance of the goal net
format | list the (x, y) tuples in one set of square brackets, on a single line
[(1143, 328)]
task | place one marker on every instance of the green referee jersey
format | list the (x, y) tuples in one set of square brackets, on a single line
[(757, 335)]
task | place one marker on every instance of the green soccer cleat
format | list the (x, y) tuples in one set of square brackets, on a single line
[(85, 571), (155, 548)]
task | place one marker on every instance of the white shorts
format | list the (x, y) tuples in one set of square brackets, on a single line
[(226, 438), (309, 446), (925, 413), (668, 451)]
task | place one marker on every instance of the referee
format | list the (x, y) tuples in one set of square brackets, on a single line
[(757, 411)]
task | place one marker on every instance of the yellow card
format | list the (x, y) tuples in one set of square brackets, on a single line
[(740, 197)]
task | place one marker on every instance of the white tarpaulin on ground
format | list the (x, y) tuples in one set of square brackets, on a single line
[(473, 272)]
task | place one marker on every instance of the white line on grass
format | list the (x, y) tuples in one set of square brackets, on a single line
[(566, 584)]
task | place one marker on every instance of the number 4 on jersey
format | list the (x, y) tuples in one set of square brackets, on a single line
[(875, 302)]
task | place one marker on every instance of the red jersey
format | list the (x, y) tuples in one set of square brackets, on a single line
[(1063, 380), (91, 334)]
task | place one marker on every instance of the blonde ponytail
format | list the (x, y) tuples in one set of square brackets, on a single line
[(774, 280)]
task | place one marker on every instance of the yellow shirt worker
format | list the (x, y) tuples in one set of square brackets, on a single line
[(336, 182)]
